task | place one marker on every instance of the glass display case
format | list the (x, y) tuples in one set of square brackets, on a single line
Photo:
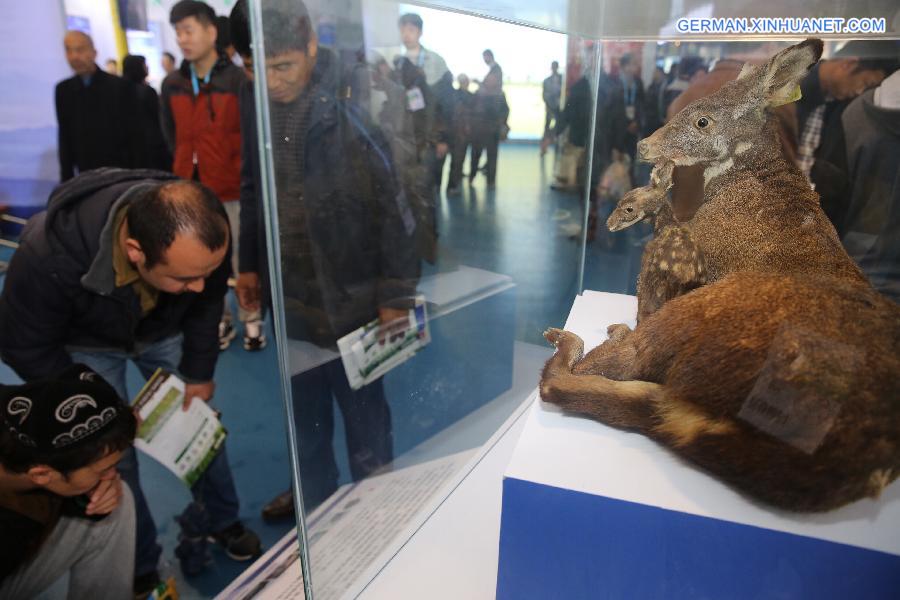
[(433, 198)]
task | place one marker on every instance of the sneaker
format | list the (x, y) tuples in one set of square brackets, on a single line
[(238, 542), (279, 508), (226, 334), (254, 338), (166, 590), (193, 548), (146, 584), (193, 554)]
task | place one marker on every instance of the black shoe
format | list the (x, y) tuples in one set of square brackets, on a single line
[(226, 334), (193, 554), (254, 344), (164, 590), (280, 507), (238, 542), (193, 548), (254, 338), (145, 584)]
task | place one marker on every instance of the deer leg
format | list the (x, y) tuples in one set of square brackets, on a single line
[(622, 404), (614, 358), (569, 350)]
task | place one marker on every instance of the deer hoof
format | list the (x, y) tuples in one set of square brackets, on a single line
[(553, 335)]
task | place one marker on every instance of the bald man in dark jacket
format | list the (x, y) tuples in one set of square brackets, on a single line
[(97, 115)]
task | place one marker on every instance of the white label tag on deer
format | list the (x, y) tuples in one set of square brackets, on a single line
[(415, 100), (800, 389)]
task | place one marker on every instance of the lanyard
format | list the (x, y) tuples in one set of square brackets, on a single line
[(194, 83), (420, 57), (629, 98)]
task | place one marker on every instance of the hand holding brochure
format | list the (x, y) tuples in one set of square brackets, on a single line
[(182, 441), (369, 352)]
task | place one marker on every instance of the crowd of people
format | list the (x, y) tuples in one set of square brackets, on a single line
[(838, 148), (161, 204)]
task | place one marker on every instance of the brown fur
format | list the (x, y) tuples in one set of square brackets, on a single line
[(704, 352), (671, 265), (782, 376), (759, 212)]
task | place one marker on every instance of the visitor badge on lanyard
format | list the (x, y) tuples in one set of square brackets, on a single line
[(196, 84), (415, 100), (630, 93)]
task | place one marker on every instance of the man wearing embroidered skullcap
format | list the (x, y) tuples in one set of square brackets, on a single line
[(63, 508)]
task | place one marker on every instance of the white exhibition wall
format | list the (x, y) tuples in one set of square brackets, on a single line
[(28, 164)]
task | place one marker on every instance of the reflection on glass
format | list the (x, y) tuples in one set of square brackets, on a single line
[(478, 177), (391, 182)]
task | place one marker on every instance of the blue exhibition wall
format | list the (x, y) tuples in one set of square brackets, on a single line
[(31, 41)]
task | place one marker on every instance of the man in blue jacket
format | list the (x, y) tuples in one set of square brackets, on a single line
[(128, 265)]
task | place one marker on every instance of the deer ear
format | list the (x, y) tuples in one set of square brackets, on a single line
[(781, 76), (745, 70)]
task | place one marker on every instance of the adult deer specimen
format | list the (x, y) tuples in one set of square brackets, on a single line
[(780, 373)]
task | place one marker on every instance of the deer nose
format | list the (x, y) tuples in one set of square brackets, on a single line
[(643, 148)]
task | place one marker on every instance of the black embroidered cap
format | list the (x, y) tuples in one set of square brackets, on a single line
[(58, 413)]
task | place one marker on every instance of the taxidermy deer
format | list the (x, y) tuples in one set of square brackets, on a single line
[(781, 375), (671, 264)]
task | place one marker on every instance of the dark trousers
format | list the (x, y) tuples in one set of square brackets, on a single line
[(367, 422), (457, 158), (214, 493), (551, 115), (437, 170), (485, 141)]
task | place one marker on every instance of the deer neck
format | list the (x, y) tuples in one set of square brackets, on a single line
[(759, 157)]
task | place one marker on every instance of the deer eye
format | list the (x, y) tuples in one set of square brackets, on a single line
[(702, 122)]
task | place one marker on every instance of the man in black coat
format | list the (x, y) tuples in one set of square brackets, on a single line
[(627, 107), (827, 90), (869, 223), (347, 246), (97, 115), (129, 265)]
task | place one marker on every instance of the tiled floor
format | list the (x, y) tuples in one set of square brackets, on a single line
[(522, 229)]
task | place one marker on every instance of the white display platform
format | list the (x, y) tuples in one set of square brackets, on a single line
[(590, 511), (460, 535)]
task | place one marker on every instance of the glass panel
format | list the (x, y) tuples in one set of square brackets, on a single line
[(655, 19), (406, 182), (382, 217)]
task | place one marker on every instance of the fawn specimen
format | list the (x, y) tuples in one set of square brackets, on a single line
[(671, 264), (780, 374)]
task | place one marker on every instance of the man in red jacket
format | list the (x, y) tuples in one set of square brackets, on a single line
[(201, 121)]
